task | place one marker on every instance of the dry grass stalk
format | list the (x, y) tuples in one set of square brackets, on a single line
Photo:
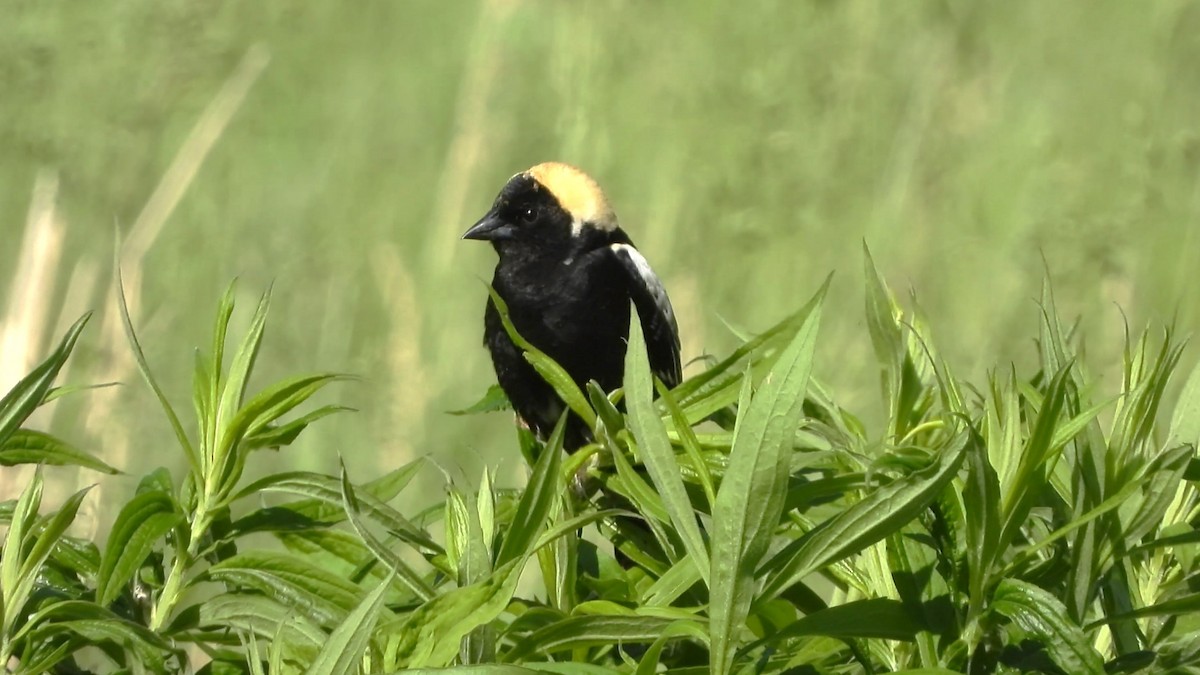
[(470, 127), (145, 230), (23, 329), (411, 382)]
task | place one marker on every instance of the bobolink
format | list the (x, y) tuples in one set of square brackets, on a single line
[(568, 272)]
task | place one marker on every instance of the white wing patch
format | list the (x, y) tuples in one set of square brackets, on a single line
[(634, 259)]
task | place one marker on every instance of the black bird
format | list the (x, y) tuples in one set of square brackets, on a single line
[(568, 272)]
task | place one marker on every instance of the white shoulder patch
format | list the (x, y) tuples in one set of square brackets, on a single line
[(635, 261)]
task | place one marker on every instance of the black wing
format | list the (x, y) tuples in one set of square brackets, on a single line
[(654, 308)]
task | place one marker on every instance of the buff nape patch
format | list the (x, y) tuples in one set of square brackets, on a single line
[(578, 193)]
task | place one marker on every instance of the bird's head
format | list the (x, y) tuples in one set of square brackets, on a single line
[(550, 206)]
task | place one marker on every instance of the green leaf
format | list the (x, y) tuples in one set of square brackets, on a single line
[(395, 563), (655, 447), (140, 525), (672, 584), (293, 581), (494, 400), (1175, 607), (208, 380), (384, 489), (879, 618), (593, 631), (981, 498), (1044, 617), (691, 445), (1185, 420), (23, 516), (346, 645), (329, 490), (430, 636), (877, 515), (262, 616), (144, 368), (1030, 475), (243, 363), (56, 393), (534, 507), (701, 395), (28, 393), (648, 665), (1163, 476), (265, 407), (750, 500), (285, 434), (44, 542), (26, 446), (97, 625), (563, 668)]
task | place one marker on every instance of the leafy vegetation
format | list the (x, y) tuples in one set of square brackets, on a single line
[(742, 522)]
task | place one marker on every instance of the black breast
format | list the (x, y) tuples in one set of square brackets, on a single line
[(576, 313)]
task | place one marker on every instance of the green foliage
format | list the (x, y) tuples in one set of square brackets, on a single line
[(741, 522)]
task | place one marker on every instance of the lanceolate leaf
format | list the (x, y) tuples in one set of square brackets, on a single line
[(263, 616), (655, 448), (431, 634), (880, 513), (1185, 421), (882, 618), (26, 446), (291, 580), (144, 368), (544, 487), (592, 631), (17, 590), (389, 557), (98, 625), (329, 490), (272, 436), (138, 527), (20, 402), (344, 650), (750, 500), (1044, 617)]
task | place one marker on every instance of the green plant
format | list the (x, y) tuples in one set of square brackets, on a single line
[(1029, 525)]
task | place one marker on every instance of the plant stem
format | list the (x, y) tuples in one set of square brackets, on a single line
[(172, 589)]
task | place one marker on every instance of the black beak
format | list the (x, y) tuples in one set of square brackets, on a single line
[(490, 228)]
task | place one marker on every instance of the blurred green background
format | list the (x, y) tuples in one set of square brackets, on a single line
[(339, 149)]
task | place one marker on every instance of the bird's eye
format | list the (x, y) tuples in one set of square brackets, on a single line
[(529, 214)]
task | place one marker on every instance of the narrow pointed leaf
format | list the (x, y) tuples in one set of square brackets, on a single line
[(1044, 617), (28, 393), (346, 645), (26, 446), (144, 368), (655, 448), (879, 514), (750, 500), (430, 636), (533, 508), (140, 525)]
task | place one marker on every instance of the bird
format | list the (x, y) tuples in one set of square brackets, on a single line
[(568, 274)]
